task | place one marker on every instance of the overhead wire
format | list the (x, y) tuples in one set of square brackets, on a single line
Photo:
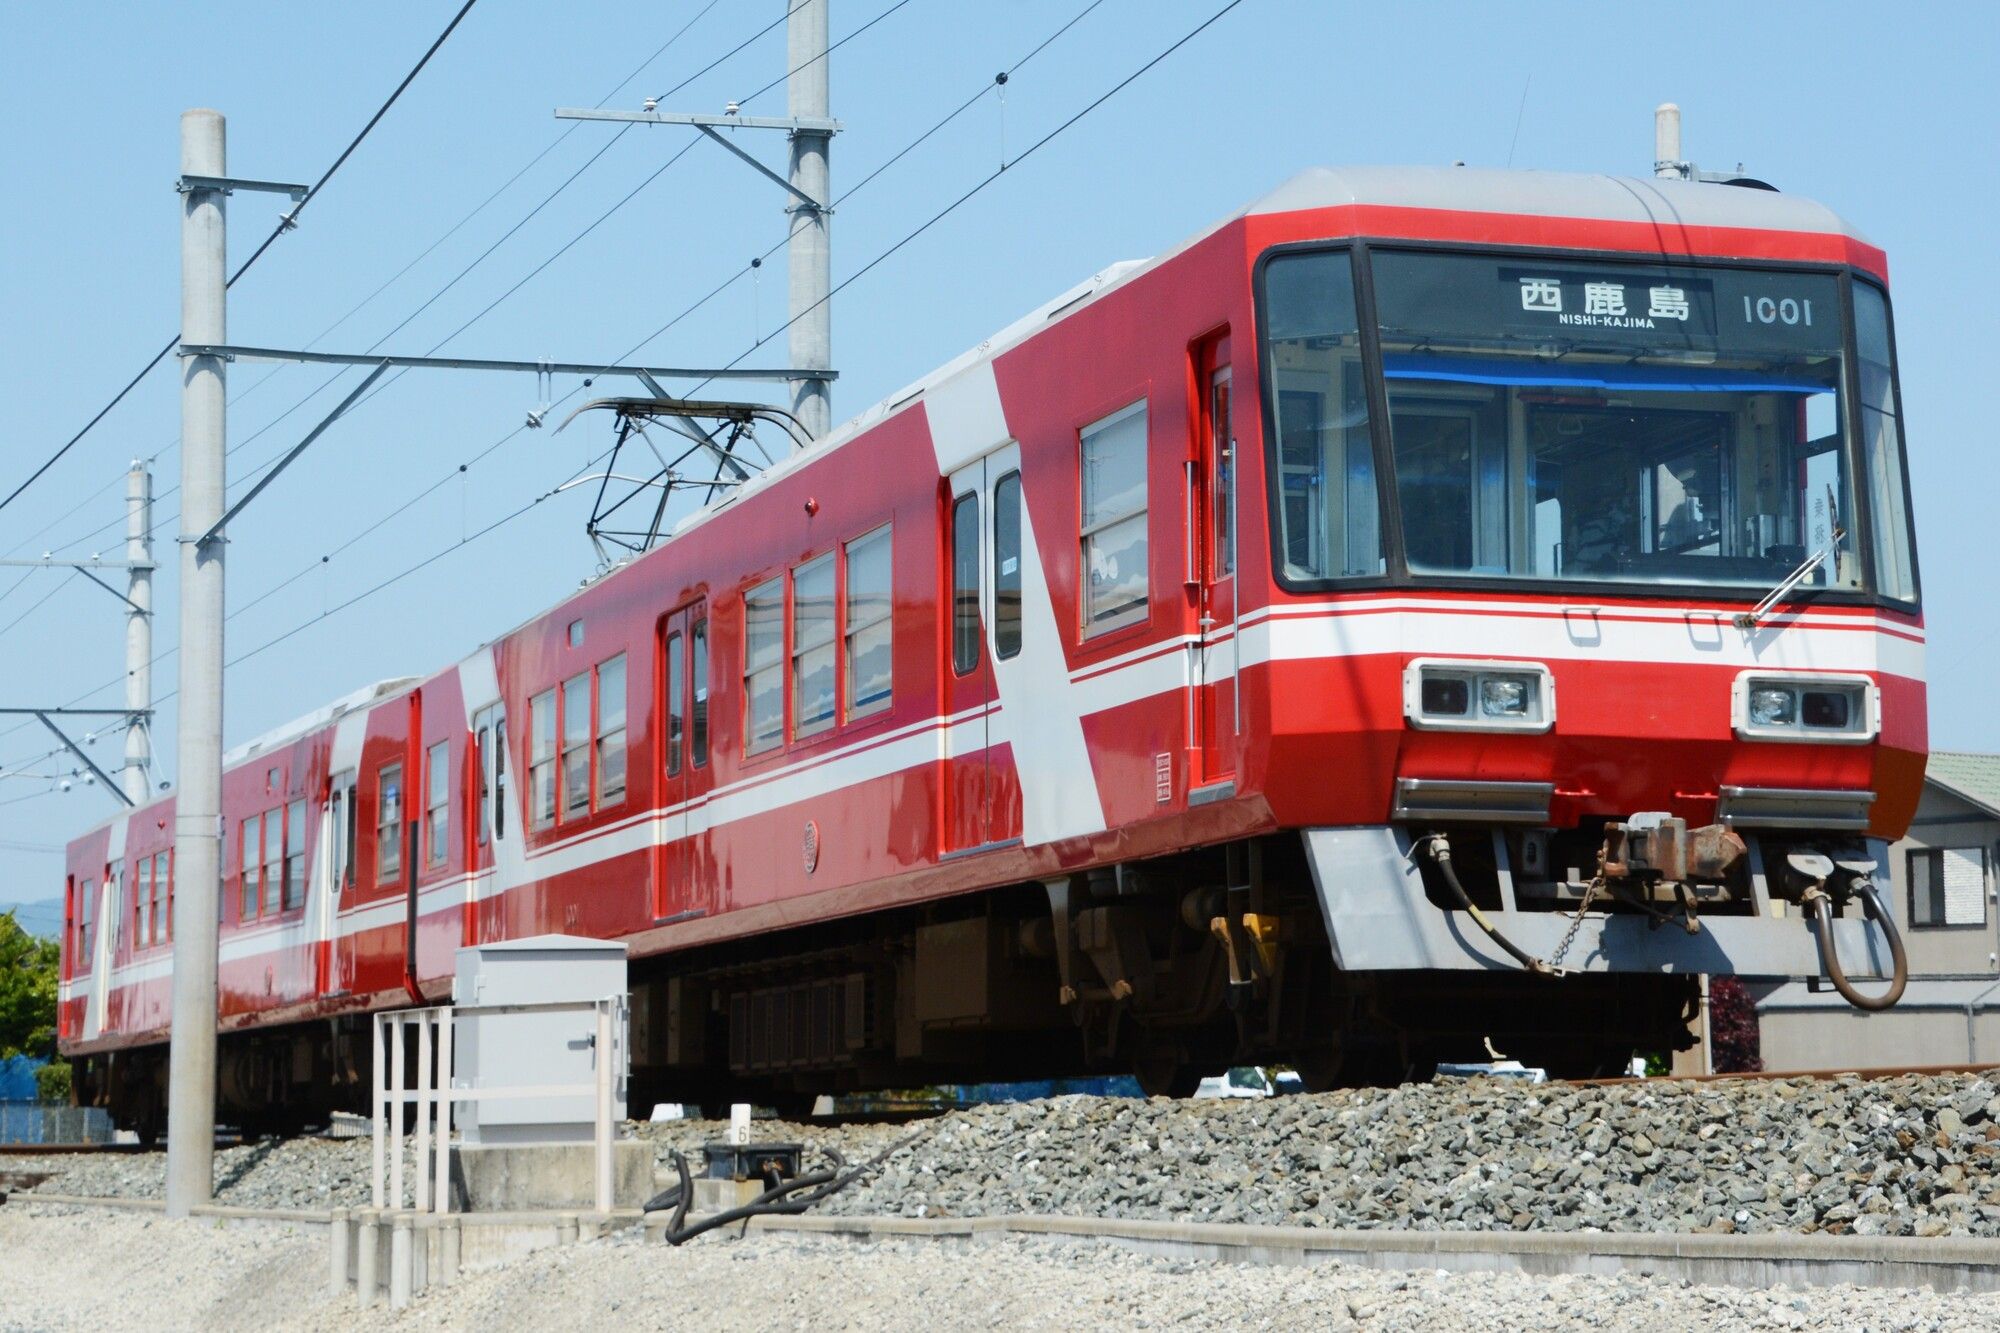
[(285, 223), (866, 268)]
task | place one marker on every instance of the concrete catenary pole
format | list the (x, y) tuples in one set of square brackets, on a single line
[(1667, 141), (198, 805), (137, 779), (808, 260)]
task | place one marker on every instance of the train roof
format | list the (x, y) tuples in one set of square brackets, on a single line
[(1661, 202)]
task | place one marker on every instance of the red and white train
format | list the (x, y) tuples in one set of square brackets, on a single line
[(1430, 607)]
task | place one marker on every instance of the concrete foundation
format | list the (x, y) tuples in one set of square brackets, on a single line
[(530, 1177)]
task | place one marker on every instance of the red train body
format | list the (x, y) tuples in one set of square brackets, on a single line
[(1095, 702)]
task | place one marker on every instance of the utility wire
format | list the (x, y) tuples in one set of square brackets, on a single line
[(285, 224), (365, 301)]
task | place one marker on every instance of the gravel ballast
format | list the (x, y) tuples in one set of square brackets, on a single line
[(108, 1272), (1906, 1156)]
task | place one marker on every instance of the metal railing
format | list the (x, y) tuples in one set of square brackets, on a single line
[(433, 1094)]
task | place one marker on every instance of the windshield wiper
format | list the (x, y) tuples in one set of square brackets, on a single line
[(1748, 619)]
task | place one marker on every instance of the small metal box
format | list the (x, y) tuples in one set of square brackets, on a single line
[(543, 1049)]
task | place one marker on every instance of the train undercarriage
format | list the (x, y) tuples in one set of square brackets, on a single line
[(1169, 969)]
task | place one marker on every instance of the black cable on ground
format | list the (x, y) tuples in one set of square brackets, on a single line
[(787, 1199)]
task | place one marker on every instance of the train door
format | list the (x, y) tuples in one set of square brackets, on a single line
[(681, 887), (968, 681), (1217, 720)]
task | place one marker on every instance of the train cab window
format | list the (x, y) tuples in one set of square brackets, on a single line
[(295, 856), (437, 803), (812, 647), (611, 731), (868, 634), (1007, 566), (274, 859), (965, 583), (764, 666), (542, 760), (1329, 523), (676, 709), (1113, 532), (1882, 447), (388, 825), (698, 679), (576, 745)]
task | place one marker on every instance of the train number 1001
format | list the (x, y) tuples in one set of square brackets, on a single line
[(1784, 310)]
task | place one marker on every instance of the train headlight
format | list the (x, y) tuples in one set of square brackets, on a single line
[(1505, 696), (1807, 707), (1444, 694), (1773, 707)]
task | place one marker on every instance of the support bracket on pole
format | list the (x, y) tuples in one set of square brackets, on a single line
[(710, 124), (188, 184), (43, 715)]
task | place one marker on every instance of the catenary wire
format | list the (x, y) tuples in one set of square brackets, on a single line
[(285, 223)]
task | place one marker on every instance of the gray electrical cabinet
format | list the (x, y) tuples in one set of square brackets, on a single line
[(539, 1049)]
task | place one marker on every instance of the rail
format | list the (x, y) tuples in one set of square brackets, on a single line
[(434, 1095)]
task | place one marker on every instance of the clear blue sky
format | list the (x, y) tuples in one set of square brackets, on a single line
[(1888, 120)]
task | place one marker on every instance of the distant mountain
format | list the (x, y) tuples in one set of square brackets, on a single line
[(42, 917)]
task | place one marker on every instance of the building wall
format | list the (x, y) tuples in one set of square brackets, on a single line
[(1950, 966)]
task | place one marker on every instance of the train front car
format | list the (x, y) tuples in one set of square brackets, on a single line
[(1592, 587)]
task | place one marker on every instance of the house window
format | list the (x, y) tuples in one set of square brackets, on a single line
[(698, 678), (274, 857), (1007, 566), (611, 732), (1114, 520), (542, 760), (812, 646), (1948, 887), (676, 708), (437, 803), (965, 583), (869, 641), (388, 825), (295, 855), (576, 745), (764, 666)]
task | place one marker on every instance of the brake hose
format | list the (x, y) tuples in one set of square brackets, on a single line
[(1819, 906), (1439, 848)]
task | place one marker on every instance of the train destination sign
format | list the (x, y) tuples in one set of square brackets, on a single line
[(1669, 308)]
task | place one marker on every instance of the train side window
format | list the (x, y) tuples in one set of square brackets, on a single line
[(248, 855), (388, 825), (611, 731), (698, 678), (764, 666), (437, 803), (274, 859), (86, 893), (500, 775), (295, 856), (342, 803), (1113, 529), (1007, 566), (676, 706), (163, 897), (965, 583), (482, 742), (870, 630), (576, 745), (812, 646), (542, 760)]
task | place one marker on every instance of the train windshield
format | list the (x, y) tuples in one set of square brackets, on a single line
[(1587, 421)]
